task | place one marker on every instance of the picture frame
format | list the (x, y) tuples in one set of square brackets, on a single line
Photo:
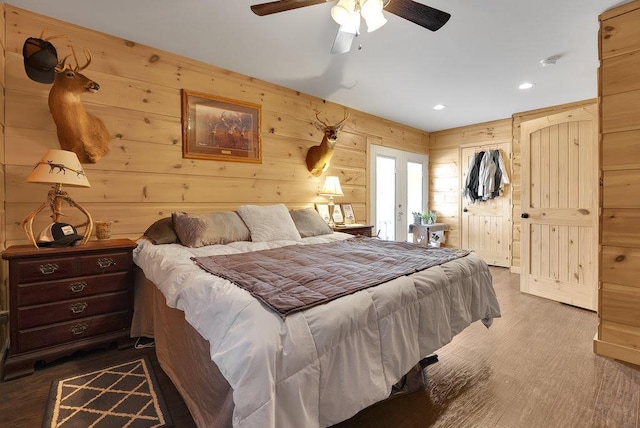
[(347, 211), (323, 210), (216, 128), (338, 218)]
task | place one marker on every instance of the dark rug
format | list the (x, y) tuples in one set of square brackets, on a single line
[(126, 394)]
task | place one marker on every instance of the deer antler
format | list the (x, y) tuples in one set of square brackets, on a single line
[(87, 54), (325, 124), (346, 116), (57, 36)]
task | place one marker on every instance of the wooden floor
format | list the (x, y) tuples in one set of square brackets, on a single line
[(533, 368)]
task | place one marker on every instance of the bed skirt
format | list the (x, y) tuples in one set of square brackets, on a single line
[(184, 356)]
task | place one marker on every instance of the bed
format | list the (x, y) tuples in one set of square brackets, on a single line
[(237, 361)]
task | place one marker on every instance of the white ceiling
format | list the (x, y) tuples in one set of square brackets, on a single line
[(473, 65)]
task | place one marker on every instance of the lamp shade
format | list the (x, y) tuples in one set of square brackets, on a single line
[(371, 11), (59, 167), (331, 187), (343, 12)]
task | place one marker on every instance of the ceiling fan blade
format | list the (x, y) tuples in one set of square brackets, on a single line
[(344, 39), (425, 16), (282, 6)]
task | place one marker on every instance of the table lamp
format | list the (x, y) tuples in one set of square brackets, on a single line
[(331, 188), (58, 167)]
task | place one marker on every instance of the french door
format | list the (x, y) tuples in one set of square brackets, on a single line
[(398, 186)]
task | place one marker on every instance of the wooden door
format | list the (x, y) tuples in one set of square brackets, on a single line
[(559, 217), (486, 225)]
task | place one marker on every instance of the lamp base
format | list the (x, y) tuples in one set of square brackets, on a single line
[(332, 223), (54, 199)]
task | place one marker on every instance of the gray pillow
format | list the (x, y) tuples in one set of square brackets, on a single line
[(162, 232), (198, 230), (269, 223), (309, 223)]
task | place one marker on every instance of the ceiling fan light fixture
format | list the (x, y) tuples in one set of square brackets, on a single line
[(371, 11), (343, 12)]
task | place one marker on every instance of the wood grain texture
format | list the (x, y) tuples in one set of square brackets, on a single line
[(619, 92), (516, 166), (619, 34), (139, 102)]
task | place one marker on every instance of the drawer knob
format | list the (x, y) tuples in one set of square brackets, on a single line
[(106, 262), (77, 287), (79, 329), (48, 269), (78, 308)]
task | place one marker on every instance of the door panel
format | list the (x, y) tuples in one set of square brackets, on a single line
[(398, 187), (559, 196), (486, 225)]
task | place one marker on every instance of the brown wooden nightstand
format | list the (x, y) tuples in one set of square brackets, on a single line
[(363, 229), (67, 299)]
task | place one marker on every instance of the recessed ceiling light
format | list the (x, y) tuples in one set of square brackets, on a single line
[(439, 106), (526, 85)]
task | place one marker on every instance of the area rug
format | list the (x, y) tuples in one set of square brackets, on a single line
[(124, 395)]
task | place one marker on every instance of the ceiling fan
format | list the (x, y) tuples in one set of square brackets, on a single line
[(347, 13)]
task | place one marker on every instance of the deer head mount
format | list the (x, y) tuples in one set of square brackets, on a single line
[(78, 131), (319, 157)]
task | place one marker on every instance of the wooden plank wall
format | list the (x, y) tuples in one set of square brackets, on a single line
[(445, 168), (144, 177), (4, 292), (619, 93)]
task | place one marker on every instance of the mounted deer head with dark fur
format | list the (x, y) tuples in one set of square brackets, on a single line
[(78, 131), (319, 157)]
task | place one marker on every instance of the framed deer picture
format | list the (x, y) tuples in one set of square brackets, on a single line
[(221, 129)]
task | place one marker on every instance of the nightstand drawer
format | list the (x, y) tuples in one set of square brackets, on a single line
[(104, 263), (71, 288), (63, 300), (33, 316), (46, 269), (40, 337)]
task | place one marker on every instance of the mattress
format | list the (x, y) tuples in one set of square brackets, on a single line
[(323, 365)]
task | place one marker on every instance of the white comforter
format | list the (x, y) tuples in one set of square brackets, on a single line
[(323, 365)]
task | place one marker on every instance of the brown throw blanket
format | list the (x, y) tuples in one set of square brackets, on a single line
[(297, 277)]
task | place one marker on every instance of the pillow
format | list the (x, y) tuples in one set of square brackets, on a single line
[(162, 232), (309, 223), (198, 230), (269, 223)]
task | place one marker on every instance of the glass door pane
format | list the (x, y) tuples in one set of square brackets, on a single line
[(415, 192), (398, 186), (385, 197)]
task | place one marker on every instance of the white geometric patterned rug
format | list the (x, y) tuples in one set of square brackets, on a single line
[(124, 395)]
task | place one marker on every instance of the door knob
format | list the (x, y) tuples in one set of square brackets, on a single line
[(524, 215), (465, 209)]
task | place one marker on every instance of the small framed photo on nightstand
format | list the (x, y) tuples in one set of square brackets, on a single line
[(323, 210), (338, 218), (347, 211)]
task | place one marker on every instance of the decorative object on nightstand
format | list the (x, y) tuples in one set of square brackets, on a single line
[(331, 188), (58, 167), (63, 300), (349, 216), (103, 229)]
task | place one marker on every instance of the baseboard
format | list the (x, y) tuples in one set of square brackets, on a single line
[(618, 352)]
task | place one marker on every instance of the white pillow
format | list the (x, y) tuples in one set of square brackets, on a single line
[(270, 223)]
